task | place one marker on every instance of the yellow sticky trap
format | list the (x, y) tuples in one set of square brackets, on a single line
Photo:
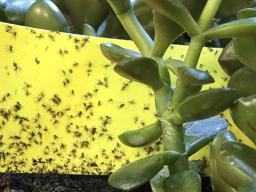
[(62, 106)]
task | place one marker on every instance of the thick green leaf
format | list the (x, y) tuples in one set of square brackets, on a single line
[(163, 98), (194, 76), (186, 91), (218, 184), (244, 48), (183, 182), (200, 133), (173, 65), (143, 136), (157, 182), (141, 171), (206, 104), (16, 10), (237, 163), (115, 53), (230, 7), (166, 31), (85, 11), (246, 13), (176, 11), (238, 28), (248, 187), (89, 30), (243, 114), (143, 70), (228, 60), (244, 81), (111, 27), (45, 14), (163, 26)]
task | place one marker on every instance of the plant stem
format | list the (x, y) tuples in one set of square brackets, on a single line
[(173, 139), (208, 14), (194, 51), (174, 134), (136, 32)]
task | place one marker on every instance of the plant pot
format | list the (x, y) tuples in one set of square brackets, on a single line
[(63, 107)]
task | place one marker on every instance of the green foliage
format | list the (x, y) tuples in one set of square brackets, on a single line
[(237, 163), (141, 171), (143, 136), (243, 80), (177, 12), (206, 104), (16, 10), (247, 187), (89, 30), (200, 133), (243, 114), (218, 183), (194, 76), (116, 53), (144, 70), (187, 117), (238, 28), (45, 14), (228, 60), (183, 181)]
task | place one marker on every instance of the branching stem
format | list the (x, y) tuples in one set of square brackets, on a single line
[(136, 32)]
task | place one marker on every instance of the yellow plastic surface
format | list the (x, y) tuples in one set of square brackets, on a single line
[(62, 106)]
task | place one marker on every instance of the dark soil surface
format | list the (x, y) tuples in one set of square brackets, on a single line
[(65, 183)]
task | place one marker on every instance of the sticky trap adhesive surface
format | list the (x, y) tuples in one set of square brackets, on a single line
[(62, 106)]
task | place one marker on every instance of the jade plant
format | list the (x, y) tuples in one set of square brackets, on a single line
[(188, 117), (95, 17)]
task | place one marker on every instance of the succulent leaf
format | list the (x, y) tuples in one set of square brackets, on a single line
[(206, 104), (173, 65), (144, 70), (194, 76), (143, 136), (176, 11), (237, 163), (115, 53), (243, 80), (243, 114), (157, 182), (247, 187), (218, 183), (45, 14), (183, 181), (85, 11), (200, 133), (88, 30), (230, 8), (246, 13), (244, 48), (228, 60), (163, 98), (141, 171), (16, 10), (111, 27), (238, 28)]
